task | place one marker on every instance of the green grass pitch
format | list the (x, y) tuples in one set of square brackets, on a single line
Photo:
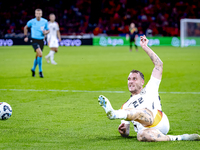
[(61, 110)]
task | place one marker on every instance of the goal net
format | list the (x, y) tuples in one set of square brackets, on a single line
[(190, 32)]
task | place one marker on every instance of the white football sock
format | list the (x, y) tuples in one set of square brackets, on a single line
[(111, 113), (120, 114), (175, 137), (52, 55), (47, 56)]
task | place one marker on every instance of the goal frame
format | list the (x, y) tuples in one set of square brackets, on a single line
[(183, 27)]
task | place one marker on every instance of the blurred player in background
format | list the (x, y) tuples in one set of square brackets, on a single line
[(39, 28), (52, 38), (143, 109), (132, 36)]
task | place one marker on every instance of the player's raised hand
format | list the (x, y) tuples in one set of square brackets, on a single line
[(143, 41)]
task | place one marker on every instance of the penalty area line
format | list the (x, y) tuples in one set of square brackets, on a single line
[(85, 91)]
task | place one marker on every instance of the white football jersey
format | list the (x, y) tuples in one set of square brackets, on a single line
[(53, 28), (147, 98)]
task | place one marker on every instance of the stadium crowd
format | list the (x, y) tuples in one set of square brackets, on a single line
[(152, 17)]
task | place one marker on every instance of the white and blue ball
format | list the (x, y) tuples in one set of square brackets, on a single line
[(5, 111)]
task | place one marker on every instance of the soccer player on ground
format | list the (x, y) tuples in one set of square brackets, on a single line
[(52, 38), (39, 28), (132, 35), (143, 109)]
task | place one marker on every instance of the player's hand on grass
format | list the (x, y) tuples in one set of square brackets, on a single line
[(122, 129), (26, 39), (143, 41)]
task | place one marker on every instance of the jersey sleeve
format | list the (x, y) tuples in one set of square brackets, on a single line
[(136, 30), (57, 26), (153, 84), (124, 121), (29, 23), (152, 94)]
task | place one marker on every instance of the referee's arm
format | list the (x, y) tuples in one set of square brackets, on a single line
[(45, 32), (25, 33)]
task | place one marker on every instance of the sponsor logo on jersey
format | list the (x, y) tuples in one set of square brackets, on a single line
[(143, 91)]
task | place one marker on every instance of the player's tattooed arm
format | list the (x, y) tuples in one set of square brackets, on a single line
[(158, 69)]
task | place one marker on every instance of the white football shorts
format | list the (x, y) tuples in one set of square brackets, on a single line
[(162, 124), (53, 42)]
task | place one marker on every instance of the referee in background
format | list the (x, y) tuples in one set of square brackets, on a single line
[(39, 28)]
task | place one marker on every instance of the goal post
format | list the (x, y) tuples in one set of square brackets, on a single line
[(190, 32)]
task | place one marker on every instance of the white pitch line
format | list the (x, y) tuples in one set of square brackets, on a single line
[(180, 92), (75, 91), (85, 91)]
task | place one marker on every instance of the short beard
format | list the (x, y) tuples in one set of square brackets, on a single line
[(137, 90)]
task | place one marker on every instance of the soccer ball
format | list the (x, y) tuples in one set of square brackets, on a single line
[(5, 111)]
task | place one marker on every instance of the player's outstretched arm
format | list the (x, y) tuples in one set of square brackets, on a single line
[(158, 69)]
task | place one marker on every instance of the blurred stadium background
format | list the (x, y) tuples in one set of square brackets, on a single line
[(88, 18)]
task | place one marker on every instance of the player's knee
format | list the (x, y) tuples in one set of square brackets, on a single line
[(39, 55), (54, 49), (144, 136), (39, 52), (140, 136)]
